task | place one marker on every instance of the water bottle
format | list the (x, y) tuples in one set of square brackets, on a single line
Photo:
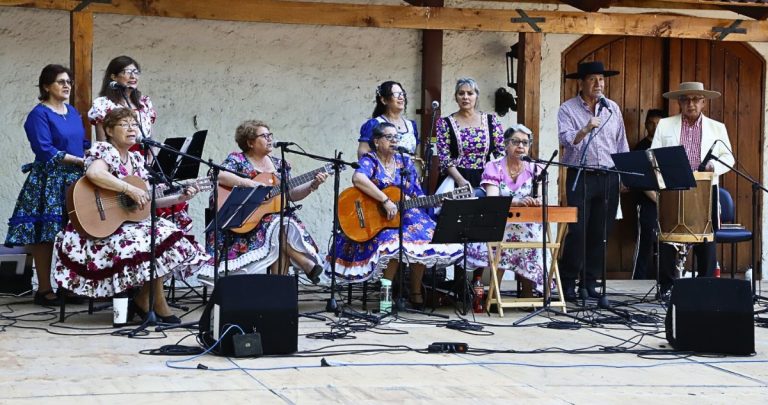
[(477, 303), (717, 269), (119, 311), (385, 296)]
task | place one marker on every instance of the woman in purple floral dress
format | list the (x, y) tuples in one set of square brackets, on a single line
[(467, 138), (257, 250), (358, 262), (510, 176), (109, 266)]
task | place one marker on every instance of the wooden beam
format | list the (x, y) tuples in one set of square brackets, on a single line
[(411, 17), (431, 84), (529, 84), (81, 63)]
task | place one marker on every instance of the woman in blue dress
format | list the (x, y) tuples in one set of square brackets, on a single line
[(378, 170), (391, 101), (57, 138)]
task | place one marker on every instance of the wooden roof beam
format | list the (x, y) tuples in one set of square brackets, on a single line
[(412, 17)]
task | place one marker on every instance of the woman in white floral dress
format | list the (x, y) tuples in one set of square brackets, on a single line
[(109, 266), (511, 176)]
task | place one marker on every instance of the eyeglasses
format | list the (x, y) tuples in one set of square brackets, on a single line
[(62, 82), (686, 100), (126, 125), (398, 94), (128, 72), (516, 142), (392, 138), (267, 136)]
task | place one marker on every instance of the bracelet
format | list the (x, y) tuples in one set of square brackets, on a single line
[(386, 201)]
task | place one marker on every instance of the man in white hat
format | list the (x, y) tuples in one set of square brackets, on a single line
[(698, 134)]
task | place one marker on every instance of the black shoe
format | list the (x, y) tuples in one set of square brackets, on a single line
[(314, 275), (42, 299), (592, 289), (569, 289), (170, 319)]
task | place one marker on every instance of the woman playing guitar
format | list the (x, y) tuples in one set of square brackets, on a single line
[(379, 169), (254, 251)]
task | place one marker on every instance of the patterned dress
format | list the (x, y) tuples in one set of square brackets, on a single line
[(40, 209), (108, 266), (472, 147), (255, 251), (409, 138), (524, 262), (357, 262)]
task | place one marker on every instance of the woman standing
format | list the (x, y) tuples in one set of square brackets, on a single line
[(255, 251), (57, 137), (109, 266), (380, 169), (391, 101), (467, 138), (510, 176)]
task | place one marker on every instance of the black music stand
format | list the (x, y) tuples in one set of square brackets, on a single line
[(242, 201), (469, 221), (179, 167), (662, 169)]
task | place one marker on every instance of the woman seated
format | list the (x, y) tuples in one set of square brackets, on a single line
[(255, 251), (510, 176), (378, 170), (109, 266)]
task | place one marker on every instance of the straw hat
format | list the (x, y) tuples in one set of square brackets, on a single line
[(693, 88)]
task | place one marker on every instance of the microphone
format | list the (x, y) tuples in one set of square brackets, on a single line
[(150, 142), (526, 158), (435, 105), (282, 144), (707, 157), (603, 104), (116, 86), (401, 149)]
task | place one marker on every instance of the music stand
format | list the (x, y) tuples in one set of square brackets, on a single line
[(179, 167), (662, 169), (469, 221), (242, 201)]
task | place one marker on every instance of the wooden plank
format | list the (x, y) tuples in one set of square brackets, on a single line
[(529, 83), (412, 17), (632, 76), (716, 78), (81, 62), (675, 72), (703, 66), (615, 61)]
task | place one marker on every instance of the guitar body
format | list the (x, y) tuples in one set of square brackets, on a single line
[(361, 217), (97, 212), (265, 178)]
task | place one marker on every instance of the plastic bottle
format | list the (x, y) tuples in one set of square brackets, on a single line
[(119, 311), (477, 303), (717, 269), (385, 296)]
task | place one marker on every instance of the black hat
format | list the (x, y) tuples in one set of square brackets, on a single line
[(591, 68)]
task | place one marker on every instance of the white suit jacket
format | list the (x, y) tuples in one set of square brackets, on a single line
[(668, 134)]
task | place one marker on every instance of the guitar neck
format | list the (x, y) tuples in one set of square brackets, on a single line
[(425, 200), (297, 181)]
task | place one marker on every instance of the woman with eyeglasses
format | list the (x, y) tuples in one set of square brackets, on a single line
[(511, 176), (357, 262), (391, 101), (109, 266), (125, 72), (57, 138), (467, 138), (257, 250)]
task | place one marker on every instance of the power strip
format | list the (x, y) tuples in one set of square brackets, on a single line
[(447, 347)]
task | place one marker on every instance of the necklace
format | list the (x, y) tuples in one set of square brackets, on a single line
[(124, 162), (513, 173), (400, 128)]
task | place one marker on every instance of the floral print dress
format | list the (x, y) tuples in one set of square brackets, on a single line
[(357, 262), (255, 251), (108, 266), (524, 262), (473, 145)]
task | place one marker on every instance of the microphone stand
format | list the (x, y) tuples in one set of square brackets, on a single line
[(427, 154), (283, 206), (331, 305), (756, 187)]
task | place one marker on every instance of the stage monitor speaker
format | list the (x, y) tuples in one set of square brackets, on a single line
[(15, 270), (260, 303), (711, 315)]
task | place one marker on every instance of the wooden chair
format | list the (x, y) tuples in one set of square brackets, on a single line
[(560, 215)]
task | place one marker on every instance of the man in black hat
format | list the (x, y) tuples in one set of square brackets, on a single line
[(590, 128)]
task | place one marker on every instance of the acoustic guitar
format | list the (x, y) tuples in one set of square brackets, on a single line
[(272, 202), (362, 217), (98, 213)]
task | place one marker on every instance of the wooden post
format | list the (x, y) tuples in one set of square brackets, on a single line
[(81, 63), (529, 84), (431, 82)]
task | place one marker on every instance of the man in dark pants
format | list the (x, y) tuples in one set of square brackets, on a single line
[(647, 214), (699, 135), (590, 129)]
